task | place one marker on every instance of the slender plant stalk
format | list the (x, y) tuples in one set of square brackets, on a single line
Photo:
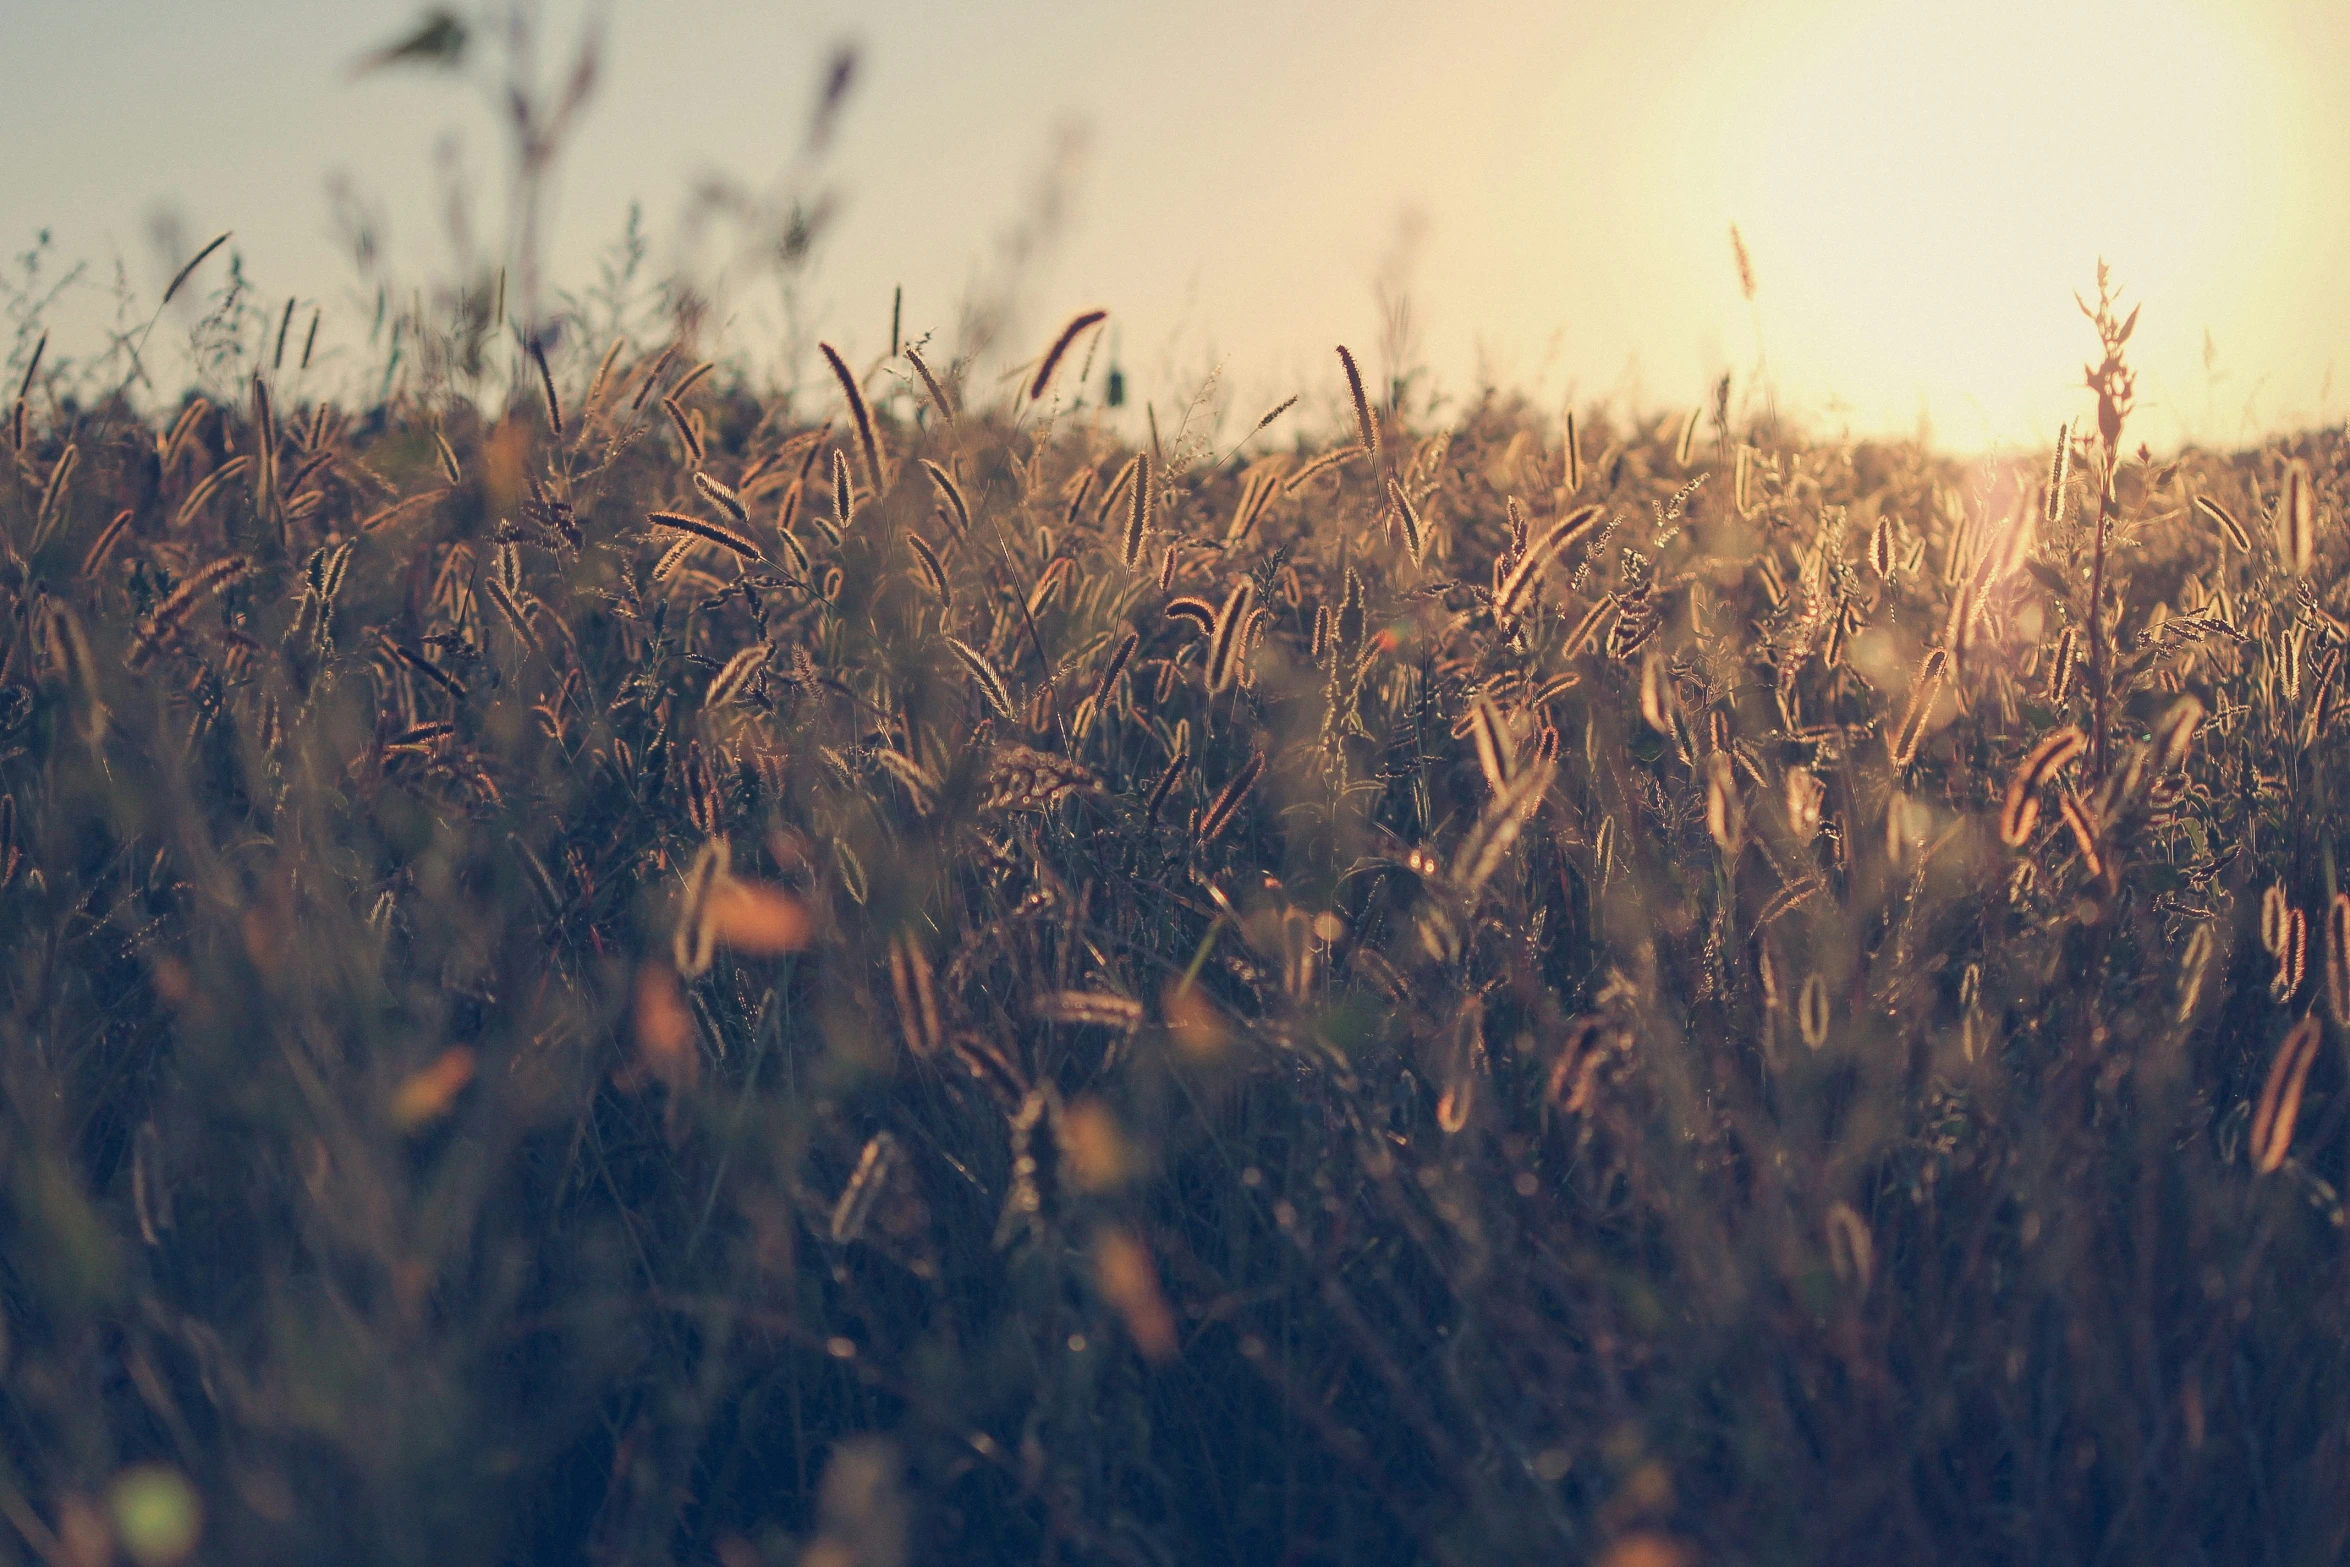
[(2100, 667)]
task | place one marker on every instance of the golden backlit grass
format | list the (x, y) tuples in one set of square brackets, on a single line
[(568, 962)]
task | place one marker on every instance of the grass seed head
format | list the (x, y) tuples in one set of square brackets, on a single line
[(1366, 427)]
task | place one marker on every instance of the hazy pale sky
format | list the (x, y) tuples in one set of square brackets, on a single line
[(1922, 186)]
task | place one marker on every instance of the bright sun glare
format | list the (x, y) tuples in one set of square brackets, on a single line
[(1928, 184)]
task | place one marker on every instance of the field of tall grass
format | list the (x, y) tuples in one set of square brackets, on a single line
[(596, 967)]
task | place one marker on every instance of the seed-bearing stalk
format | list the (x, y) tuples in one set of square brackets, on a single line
[(2115, 384), (2100, 667)]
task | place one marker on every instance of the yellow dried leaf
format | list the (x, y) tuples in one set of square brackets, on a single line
[(1192, 1018), (427, 1095), (664, 1029), (1096, 1148), (1129, 1282), (757, 919), (1647, 1550)]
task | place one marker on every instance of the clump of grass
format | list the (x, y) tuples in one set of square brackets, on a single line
[(556, 1000)]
